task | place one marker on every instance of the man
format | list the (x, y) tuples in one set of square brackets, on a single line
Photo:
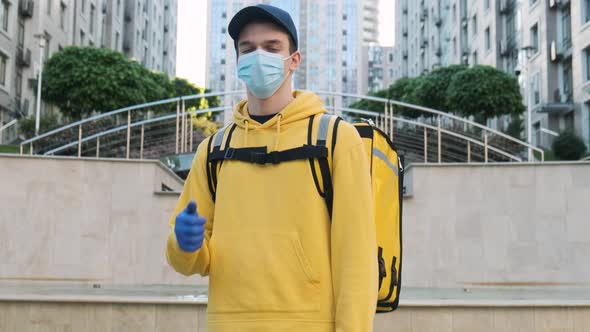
[(276, 260)]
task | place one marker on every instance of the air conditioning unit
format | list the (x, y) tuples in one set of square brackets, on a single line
[(23, 57), (503, 47), (556, 51), (26, 8), (437, 21)]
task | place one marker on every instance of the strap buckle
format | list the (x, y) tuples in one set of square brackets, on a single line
[(229, 154), (258, 158)]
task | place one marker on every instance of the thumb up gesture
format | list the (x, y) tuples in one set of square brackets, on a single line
[(189, 228)]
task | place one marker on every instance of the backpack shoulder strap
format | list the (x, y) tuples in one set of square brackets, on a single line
[(326, 188), (214, 146)]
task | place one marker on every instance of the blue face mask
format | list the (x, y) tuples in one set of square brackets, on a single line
[(262, 72)]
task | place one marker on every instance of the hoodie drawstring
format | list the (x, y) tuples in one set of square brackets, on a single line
[(246, 133), (278, 132)]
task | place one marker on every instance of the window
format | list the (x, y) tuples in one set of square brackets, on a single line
[(47, 46), (535, 89), (534, 36), (223, 15), (4, 11), (585, 11), (83, 7), (454, 12), (566, 27), (586, 62), (223, 30), (49, 5), (390, 57), (567, 81), (82, 37), (454, 45), (343, 63), (3, 69), (62, 16), (474, 25), (223, 61), (488, 40), (222, 77), (486, 4), (475, 58), (391, 72), (118, 6), (223, 46), (92, 10), (532, 2)]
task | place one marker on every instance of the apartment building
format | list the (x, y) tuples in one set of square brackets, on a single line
[(546, 43), (144, 30)]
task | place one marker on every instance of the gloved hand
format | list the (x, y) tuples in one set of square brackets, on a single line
[(189, 228)]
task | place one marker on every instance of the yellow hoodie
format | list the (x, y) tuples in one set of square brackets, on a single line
[(275, 261)]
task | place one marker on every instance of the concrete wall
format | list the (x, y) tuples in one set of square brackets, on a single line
[(89, 221), (180, 318), (497, 225)]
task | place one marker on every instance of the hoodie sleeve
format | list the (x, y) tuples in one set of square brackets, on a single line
[(354, 244), (197, 189)]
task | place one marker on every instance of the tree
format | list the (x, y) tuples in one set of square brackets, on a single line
[(515, 127), (182, 87), (82, 80), (432, 89), (47, 122), (568, 146), (400, 90), (484, 92)]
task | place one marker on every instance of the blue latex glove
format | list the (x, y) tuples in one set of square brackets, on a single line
[(189, 228)]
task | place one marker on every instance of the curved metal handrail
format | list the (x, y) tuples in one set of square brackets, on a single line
[(433, 111), (135, 124), (129, 108), (424, 125), (385, 101)]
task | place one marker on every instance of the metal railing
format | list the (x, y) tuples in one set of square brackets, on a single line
[(456, 138), (6, 127)]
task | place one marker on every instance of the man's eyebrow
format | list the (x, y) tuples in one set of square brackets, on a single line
[(273, 42), (245, 43)]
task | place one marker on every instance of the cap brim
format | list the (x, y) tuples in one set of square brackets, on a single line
[(248, 15)]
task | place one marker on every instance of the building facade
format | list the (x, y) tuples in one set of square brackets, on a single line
[(546, 43), (144, 30), (332, 36)]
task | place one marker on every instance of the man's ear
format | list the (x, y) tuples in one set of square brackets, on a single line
[(295, 61)]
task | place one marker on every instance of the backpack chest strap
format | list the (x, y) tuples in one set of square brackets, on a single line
[(259, 155)]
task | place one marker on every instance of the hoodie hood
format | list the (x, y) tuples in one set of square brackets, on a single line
[(303, 106)]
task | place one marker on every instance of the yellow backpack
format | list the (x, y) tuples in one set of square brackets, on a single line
[(386, 177), (387, 174)]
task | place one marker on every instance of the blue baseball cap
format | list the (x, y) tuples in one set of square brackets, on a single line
[(262, 13)]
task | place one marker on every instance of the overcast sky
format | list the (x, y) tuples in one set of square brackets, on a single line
[(192, 29)]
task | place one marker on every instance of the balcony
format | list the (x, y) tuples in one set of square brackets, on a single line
[(26, 8)]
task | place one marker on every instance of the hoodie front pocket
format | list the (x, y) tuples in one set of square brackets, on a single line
[(261, 272)]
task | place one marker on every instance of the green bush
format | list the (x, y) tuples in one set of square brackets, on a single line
[(569, 146), (47, 122)]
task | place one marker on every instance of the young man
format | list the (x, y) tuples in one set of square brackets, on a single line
[(276, 260)]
